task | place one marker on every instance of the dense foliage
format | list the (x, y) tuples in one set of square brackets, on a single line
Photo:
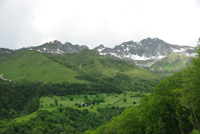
[(172, 108), (61, 121)]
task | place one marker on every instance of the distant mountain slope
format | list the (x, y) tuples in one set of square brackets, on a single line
[(5, 51), (144, 53), (91, 62), (35, 66), (173, 62), (56, 47), (143, 50)]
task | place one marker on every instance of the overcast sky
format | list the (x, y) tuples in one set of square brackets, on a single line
[(26, 23)]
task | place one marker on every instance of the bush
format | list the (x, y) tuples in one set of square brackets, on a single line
[(51, 105), (124, 100), (112, 107), (91, 107), (41, 106), (134, 102), (71, 98), (79, 105), (141, 95)]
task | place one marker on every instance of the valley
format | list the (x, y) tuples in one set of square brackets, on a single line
[(48, 103), (65, 88)]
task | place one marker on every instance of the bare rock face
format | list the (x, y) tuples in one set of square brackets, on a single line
[(147, 49), (5, 51), (56, 47)]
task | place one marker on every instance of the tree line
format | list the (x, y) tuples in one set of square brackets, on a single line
[(63, 120)]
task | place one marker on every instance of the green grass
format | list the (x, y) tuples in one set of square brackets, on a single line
[(112, 100), (173, 62), (91, 61), (35, 66)]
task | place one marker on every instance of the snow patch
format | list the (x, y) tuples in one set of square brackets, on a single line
[(100, 49), (102, 53), (44, 49), (116, 55), (194, 54), (178, 50), (127, 49), (137, 57)]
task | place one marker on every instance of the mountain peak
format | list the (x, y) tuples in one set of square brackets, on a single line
[(147, 49), (56, 47)]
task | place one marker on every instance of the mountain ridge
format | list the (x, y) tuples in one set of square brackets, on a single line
[(142, 54)]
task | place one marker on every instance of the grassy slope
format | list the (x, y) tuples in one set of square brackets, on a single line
[(113, 99), (173, 62), (90, 61), (35, 66)]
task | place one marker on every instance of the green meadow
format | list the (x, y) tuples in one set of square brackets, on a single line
[(110, 100)]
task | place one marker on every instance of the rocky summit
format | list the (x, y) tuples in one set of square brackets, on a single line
[(56, 47), (147, 49)]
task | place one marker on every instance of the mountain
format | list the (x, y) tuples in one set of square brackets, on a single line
[(144, 53), (173, 62), (91, 62), (5, 51), (35, 66), (56, 47)]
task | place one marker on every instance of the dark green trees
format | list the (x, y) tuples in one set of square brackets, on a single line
[(124, 100)]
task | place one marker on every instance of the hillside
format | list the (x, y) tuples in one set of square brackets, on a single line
[(35, 66), (4, 52), (91, 62), (147, 49), (172, 63)]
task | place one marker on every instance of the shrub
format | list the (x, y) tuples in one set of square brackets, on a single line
[(71, 98), (51, 105), (134, 102), (124, 100), (141, 95), (79, 105)]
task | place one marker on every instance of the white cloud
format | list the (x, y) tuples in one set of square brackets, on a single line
[(92, 22)]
